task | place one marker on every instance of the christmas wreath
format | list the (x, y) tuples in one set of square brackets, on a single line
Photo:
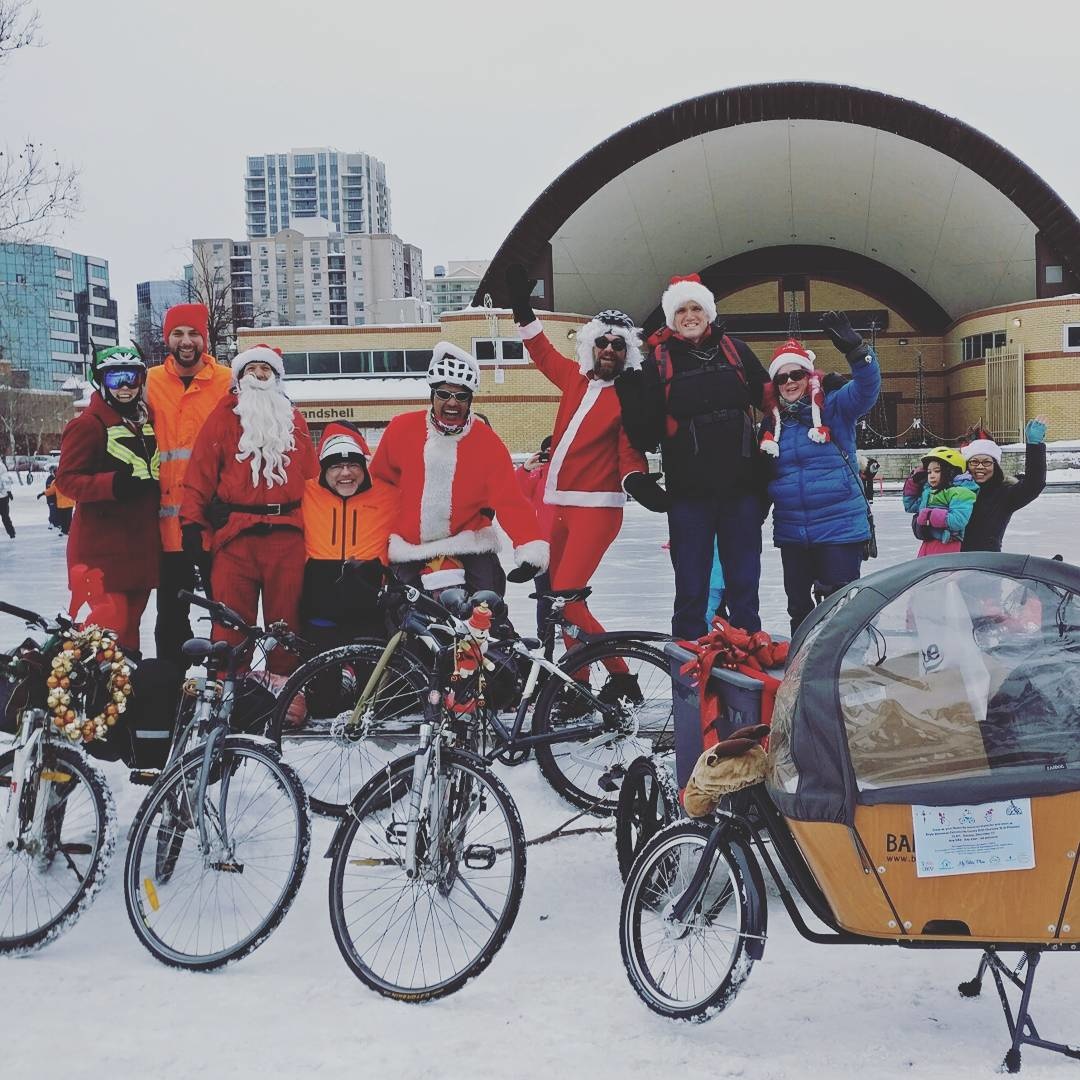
[(85, 656)]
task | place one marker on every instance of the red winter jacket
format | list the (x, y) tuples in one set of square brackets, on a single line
[(122, 539), (446, 483), (214, 471), (590, 453)]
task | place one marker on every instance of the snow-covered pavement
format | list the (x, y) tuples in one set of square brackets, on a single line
[(555, 1002)]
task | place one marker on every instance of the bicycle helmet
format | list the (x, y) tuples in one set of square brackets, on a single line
[(947, 456), (449, 364), (118, 356)]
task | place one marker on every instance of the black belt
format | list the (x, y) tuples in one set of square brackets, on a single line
[(262, 509)]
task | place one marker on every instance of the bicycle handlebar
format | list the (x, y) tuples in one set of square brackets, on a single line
[(24, 614), (222, 613)]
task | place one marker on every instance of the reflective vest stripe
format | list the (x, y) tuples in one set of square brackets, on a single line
[(169, 511), (181, 454), (115, 448)]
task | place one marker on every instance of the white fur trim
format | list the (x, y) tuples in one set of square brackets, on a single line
[(530, 331), (262, 354), (535, 552), (980, 447), (585, 498), (588, 400), (805, 362), (586, 338), (468, 542), (440, 464), (676, 295), (442, 579)]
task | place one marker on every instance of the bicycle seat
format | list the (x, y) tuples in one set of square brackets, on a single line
[(569, 595), (199, 650)]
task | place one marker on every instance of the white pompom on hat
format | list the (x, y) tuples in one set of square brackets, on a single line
[(258, 354), (980, 447), (682, 289)]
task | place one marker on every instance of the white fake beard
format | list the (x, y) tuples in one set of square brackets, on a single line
[(266, 429)]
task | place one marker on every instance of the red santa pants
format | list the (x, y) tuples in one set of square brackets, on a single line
[(579, 537), (121, 612), (270, 563)]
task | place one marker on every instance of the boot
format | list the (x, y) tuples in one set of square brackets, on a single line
[(621, 686)]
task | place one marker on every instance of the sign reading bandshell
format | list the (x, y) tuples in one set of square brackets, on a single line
[(973, 839)]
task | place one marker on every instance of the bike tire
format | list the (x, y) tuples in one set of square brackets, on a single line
[(171, 794), (366, 844), (645, 729), (648, 801), (93, 822), (333, 767), (657, 955)]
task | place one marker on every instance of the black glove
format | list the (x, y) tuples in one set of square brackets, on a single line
[(525, 572), (519, 288), (837, 325), (191, 542), (125, 486), (645, 490)]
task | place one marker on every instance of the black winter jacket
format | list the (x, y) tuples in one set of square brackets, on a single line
[(1000, 497)]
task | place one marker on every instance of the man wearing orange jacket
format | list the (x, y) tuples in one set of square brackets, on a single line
[(346, 518), (181, 393)]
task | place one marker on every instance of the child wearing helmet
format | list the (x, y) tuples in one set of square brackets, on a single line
[(109, 466), (941, 496)]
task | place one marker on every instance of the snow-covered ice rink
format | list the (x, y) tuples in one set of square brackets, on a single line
[(555, 1002)]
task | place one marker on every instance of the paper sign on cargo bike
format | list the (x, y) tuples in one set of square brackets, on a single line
[(921, 789)]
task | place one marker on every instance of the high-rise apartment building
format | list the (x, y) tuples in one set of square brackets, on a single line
[(55, 309), (453, 286), (348, 190)]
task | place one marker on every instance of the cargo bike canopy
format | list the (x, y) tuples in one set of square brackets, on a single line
[(945, 680)]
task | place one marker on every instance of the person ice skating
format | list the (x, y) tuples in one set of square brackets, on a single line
[(242, 491), (60, 506), (820, 521), (694, 400), (451, 474), (50, 498), (941, 498), (592, 463), (347, 522), (6, 487), (1000, 496), (182, 393), (109, 466)]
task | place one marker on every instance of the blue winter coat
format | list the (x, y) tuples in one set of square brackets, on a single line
[(817, 495)]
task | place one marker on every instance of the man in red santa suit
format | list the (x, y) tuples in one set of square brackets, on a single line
[(452, 473), (592, 461), (244, 485)]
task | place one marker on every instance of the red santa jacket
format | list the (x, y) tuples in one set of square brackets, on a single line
[(446, 483), (214, 471), (591, 455)]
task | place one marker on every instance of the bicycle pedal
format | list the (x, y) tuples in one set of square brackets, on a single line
[(75, 849), (144, 777), (228, 867), (612, 779), (479, 857)]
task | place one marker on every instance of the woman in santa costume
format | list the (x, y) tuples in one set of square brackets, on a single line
[(244, 485), (451, 474)]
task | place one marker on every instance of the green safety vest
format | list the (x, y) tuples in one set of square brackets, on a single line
[(118, 446)]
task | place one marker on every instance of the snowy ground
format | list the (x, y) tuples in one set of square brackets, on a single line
[(555, 1002)]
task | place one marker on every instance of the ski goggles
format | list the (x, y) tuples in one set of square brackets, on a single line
[(123, 378), (617, 343), (457, 395)]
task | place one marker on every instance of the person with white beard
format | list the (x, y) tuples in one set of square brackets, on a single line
[(244, 486)]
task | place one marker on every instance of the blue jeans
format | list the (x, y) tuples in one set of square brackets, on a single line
[(832, 565), (729, 525)]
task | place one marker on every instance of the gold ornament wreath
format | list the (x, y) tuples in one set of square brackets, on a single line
[(87, 647)]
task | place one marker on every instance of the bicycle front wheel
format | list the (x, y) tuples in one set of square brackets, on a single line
[(422, 936), (67, 832), (633, 677), (334, 746), (198, 898)]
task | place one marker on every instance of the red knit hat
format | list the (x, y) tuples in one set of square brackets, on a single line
[(194, 315), (793, 352)]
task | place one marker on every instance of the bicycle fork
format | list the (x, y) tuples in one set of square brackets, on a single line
[(27, 758), (416, 795)]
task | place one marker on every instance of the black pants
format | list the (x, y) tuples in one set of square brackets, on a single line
[(5, 515), (173, 615), (63, 519), (830, 565)]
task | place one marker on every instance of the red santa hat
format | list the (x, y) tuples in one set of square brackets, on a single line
[(683, 289), (258, 354), (442, 572), (793, 352), (194, 315)]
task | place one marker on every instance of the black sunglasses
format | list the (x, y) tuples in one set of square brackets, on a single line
[(457, 395), (790, 376), (617, 343)]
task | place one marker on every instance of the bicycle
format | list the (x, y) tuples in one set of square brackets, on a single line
[(219, 846), (361, 704), (58, 823)]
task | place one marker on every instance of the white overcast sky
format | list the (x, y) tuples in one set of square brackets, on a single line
[(475, 106)]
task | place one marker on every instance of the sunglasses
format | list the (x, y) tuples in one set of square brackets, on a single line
[(790, 376), (123, 378), (457, 395), (617, 343)]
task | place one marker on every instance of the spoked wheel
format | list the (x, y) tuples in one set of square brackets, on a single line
[(197, 904), (641, 724), (68, 832), (334, 745), (422, 937), (686, 970), (648, 800)]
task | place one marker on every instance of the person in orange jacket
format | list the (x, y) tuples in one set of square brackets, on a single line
[(62, 507), (243, 488), (347, 518), (181, 393)]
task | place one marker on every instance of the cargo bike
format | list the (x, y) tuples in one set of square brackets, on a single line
[(921, 788)]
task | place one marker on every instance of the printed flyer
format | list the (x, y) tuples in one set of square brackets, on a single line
[(973, 839)]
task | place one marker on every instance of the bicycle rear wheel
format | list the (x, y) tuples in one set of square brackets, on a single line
[(423, 937), (643, 725), (67, 844), (196, 906), (648, 800), (313, 721)]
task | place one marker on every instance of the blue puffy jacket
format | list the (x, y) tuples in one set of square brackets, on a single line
[(817, 496)]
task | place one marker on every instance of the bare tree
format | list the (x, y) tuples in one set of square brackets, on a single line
[(212, 285)]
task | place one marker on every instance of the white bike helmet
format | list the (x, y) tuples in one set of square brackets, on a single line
[(449, 364)]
